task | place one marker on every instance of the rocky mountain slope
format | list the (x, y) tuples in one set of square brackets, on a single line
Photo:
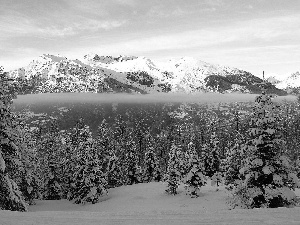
[(132, 74)]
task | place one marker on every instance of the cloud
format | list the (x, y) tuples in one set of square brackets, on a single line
[(18, 25), (131, 3), (246, 33), (159, 11), (95, 25)]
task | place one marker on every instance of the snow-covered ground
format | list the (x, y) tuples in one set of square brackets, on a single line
[(148, 204)]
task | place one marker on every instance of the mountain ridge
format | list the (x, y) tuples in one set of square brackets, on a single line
[(132, 74)]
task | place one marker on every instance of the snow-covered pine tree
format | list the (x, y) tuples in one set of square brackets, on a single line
[(29, 185), (210, 156), (131, 163), (10, 196), (89, 182), (80, 133), (104, 144), (183, 162), (268, 175), (151, 170), (52, 182), (234, 157), (173, 171), (194, 179), (114, 173), (26, 176), (71, 144), (50, 162)]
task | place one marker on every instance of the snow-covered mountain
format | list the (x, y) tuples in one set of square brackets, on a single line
[(95, 73), (186, 74), (291, 84), (50, 73)]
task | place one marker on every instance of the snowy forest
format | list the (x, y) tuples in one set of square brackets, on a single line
[(252, 148)]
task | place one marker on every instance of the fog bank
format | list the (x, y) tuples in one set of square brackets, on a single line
[(138, 98)]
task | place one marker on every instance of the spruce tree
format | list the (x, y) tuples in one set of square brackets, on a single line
[(233, 163), (88, 183), (10, 196), (50, 162), (114, 173), (151, 170), (26, 176), (268, 177), (173, 171), (52, 183), (131, 163), (210, 156), (195, 178)]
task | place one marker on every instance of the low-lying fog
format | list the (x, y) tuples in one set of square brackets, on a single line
[(138, 98)]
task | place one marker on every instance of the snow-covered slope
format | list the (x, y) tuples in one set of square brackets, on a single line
[(51, 73), (124, 64), (142, 75), (147, 203), (293, 81), (185, 74), (190, 74)]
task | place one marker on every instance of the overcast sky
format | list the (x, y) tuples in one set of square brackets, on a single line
[(253, 35)]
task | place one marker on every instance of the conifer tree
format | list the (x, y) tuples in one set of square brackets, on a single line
[(151, 170), (211, 157), (104, 146), (195, 178), (88, 183), (26, 176), (268, 178), (131, 163), (52, 183), (73, 143), (173, 171), (10, 196), (114, 174), (50, 163), (234, 158)]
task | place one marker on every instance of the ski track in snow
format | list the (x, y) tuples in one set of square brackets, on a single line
[(148, 204)]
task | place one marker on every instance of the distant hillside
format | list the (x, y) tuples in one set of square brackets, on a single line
[(50, 73), (291, 84), (133, 74)]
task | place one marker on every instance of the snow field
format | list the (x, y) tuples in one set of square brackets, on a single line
[(147, 203)]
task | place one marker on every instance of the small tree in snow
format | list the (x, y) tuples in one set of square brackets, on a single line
[(216, 179), (268, 178)]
